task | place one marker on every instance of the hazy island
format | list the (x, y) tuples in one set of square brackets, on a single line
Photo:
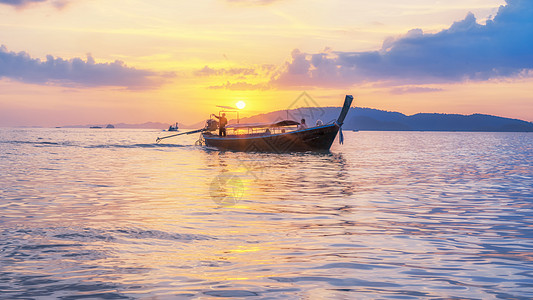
[(369, 119)]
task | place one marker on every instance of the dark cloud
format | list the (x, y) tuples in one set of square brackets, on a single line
[(24, 3), (75, 72), (503, 47), (20, 2), (253, 2)]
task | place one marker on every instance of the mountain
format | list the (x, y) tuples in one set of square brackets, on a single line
[(379, 120), (147, 125), (370, 119), (197, 125)]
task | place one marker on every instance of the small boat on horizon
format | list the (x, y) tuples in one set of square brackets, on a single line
[(282, 136), (173, 127)]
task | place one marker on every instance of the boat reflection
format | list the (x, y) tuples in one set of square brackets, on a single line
[(271, 180)]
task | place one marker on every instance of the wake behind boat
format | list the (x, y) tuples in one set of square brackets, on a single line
[(282, 136)]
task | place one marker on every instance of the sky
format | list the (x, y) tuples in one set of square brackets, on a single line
[(67, 62)]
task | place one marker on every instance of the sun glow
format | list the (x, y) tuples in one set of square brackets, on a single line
[(164, 68), (240, 104)]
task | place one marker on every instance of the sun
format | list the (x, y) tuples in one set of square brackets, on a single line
[(240, 104)]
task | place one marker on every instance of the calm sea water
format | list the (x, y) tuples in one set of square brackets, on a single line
[(98, 213)]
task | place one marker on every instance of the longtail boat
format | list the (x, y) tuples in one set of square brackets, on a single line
[(282, 136)]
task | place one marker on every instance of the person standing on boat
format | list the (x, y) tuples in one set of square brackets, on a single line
[(222, 122), (302, 125)]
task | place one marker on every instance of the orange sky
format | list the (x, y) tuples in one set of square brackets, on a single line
[(93, 61)]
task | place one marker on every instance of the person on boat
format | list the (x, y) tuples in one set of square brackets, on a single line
[(222, 122), (302, 125)]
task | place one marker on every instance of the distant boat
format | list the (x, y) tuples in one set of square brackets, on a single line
[(110, 126), (173, 127), (95, 127), (283, 136)]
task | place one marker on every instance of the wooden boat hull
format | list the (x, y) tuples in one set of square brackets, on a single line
[(312, 139)]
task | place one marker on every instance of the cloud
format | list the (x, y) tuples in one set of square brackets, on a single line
[(20, 3), (76, 72), (240, 77), (413, 89), (242, 72), (253, 2), (240, 86), (467, 50), (207, 71), (24, 3)]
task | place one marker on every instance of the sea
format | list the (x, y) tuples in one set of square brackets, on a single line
[(110, 214)]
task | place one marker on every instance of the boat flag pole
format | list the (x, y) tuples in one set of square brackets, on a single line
[(182, 133)]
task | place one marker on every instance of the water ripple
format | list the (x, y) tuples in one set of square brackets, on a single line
[(110, 214)]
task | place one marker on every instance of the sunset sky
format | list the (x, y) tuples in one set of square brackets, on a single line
[(65, 62)]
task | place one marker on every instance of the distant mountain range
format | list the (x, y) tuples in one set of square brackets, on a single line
[(370, 120), (379, 120), (147, 125)]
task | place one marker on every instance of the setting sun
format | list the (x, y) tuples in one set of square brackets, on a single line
[(240, 104)]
